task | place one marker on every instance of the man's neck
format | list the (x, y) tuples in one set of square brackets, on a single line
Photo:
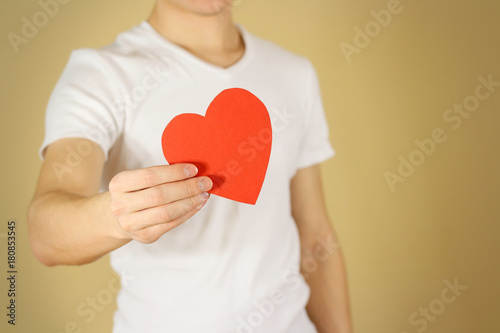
[(212, 38)]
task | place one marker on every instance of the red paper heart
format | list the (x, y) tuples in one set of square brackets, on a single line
[(231, 144)]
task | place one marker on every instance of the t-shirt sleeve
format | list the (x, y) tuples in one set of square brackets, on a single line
[(83, 103), (315, 146)]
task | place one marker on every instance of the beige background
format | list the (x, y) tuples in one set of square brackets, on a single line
[(400, 246)]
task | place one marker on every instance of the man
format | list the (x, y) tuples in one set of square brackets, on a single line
[(200, 263)]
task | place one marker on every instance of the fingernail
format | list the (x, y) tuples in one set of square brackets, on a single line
[(205, 184), (191, 170), (204, 195)]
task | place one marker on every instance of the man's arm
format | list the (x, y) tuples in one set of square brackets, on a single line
[(321, 258), (71, 223)]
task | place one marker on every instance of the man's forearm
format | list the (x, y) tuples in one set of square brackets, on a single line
[(328, 305), (71, 229)]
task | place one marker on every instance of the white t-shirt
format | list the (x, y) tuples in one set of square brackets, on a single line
[(233, 267)]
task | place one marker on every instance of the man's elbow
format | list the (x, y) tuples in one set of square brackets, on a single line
[(45, 260), (49, 256), (44, 251), (35, 239), (40, 252), (41, 248), (321, 246)]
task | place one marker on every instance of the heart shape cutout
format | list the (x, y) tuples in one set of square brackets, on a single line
[(231, 144)]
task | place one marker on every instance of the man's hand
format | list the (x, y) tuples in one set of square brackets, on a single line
[(149, 202), (71, 223)]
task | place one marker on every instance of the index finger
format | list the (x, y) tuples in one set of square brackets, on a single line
[(134, 180)]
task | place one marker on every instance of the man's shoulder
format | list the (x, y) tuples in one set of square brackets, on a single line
[(131, 41), (128, 44), (275, 54), (130, 49)]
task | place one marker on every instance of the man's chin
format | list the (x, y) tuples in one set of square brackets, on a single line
[(204, 7)]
